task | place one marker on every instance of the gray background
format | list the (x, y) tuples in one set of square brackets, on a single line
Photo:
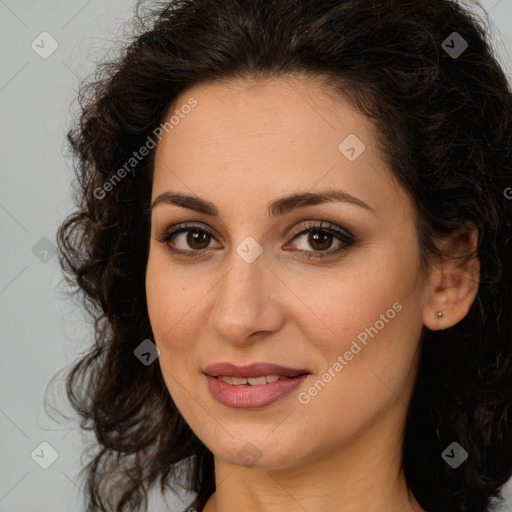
[(41, 330)]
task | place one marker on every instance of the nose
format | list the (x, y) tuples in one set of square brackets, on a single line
[(246, 306)]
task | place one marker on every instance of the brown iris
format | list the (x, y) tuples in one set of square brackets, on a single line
[(320, 237), (198, 237)]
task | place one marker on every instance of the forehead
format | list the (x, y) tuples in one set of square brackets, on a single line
[(288, 108), (272, 136)]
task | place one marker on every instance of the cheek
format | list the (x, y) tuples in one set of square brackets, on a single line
[(371, 317), (176, 313), (357, 298), (168, 299), (157, 296), (168, 304)]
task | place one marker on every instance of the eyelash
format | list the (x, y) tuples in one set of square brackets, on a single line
[(343, 236)]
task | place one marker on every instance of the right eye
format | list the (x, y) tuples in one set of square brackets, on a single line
[(191, 235)]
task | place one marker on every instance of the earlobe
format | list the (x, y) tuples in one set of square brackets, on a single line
[(453, 285)]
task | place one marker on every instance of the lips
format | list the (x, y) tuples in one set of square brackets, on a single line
[(254, 386), (252, 371)]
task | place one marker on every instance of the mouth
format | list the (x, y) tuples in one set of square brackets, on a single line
[(251, 381), (255, 370), (254, 386)]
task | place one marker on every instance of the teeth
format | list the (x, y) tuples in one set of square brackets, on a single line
[(252, 381), (257, 381)]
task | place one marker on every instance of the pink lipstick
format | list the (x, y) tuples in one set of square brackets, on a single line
[(254, 386)]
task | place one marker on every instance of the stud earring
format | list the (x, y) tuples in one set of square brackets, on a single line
[(439, 314)]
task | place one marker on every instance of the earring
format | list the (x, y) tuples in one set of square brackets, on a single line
[(439, 314)]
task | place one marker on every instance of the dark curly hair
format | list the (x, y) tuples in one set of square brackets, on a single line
[(444, 125)]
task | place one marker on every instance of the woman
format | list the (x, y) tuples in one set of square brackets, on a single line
[(293, 233)]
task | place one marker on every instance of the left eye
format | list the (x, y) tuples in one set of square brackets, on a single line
[(320, 240), (319, 237)]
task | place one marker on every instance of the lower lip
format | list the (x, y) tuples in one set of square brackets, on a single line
[(246, 396)]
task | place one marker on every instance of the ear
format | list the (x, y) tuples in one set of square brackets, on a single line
[(453, 284)]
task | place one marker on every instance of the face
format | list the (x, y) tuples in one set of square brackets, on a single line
[(328, 288)]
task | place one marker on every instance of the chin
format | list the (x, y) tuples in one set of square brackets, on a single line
[(258, 452)]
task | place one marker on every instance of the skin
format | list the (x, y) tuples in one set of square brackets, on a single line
[(243, 145)]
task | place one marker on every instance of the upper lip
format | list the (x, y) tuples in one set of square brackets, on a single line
[(252, 370)]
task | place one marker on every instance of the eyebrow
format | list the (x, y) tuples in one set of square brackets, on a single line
[(276, 208)]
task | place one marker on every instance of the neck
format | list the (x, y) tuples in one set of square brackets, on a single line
[(363, 475)]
